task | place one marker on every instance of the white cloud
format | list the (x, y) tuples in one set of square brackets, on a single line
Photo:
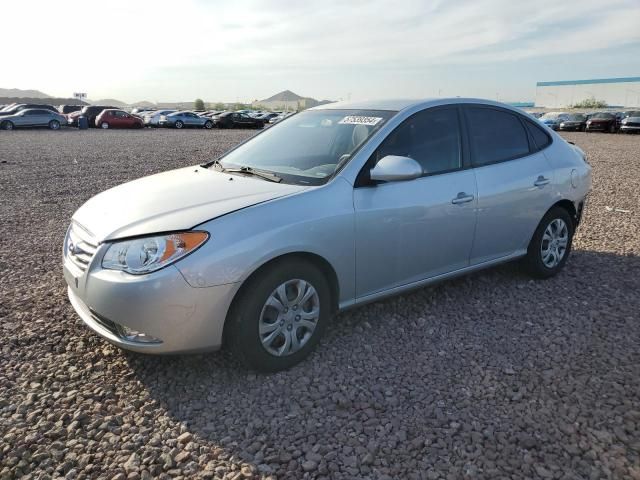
[(128, 48)]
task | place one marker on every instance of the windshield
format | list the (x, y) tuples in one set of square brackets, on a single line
[(551, 116), (308, 147), (576, 117)]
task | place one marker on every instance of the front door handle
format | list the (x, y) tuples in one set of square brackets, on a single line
[(462, 198), (541, 181)]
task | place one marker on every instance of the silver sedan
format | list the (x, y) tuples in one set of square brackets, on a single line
[(33, 117), (331, 208)]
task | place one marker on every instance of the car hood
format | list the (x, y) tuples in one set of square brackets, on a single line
[(633, 119), (550, 120), (173, 200)]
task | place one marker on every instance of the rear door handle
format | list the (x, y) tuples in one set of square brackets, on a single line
[(541, 181), (462, 198)]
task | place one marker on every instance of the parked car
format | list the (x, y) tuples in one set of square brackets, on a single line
[(184, 119), (631, 122), (90, 112), (118, 119), (601, 122), (24, 106), (66, 109), (576, 122), (553, 119), (33, 117), (334, 207), (266, 117), (152, 119), (237, 120)]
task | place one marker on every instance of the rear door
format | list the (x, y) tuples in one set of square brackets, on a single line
[(514, 180)]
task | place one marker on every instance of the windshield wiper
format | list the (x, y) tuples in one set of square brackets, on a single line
[(272, 177)]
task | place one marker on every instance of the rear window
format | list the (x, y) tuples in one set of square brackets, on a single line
[(496, 135)]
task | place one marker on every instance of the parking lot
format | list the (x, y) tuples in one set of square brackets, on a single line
[(488, 376)]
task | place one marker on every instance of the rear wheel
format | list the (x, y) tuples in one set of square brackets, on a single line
[(7, 125), (550, 245), (279, 316), (179, 124), (208, 125), (104, 125), (54, 124)]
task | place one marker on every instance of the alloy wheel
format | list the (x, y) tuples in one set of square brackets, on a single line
[(554, 243), (289, 317)]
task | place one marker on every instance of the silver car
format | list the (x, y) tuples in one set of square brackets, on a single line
[(33, 117), (333, 207)]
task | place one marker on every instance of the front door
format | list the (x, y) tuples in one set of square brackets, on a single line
[(407, 231)]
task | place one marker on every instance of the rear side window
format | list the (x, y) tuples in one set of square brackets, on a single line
[(540, 137), (495, 135)]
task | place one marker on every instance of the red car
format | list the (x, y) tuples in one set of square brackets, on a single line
[(118, 119)]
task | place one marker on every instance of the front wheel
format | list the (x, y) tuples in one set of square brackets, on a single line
[(279, 316), (7, 125), (54, 125), (551, 244)]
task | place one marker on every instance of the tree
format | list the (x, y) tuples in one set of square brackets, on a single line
[(219, 106), (590, 103), (198, 104)]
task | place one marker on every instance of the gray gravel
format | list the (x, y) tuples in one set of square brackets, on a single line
[(491, 376)]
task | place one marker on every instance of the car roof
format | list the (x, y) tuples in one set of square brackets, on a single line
[(399, 104)]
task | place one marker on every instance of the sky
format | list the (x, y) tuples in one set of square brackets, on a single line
[(243, 50)]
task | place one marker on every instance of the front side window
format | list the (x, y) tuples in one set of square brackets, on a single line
[(495, 135), (431, 137), (310, 146)]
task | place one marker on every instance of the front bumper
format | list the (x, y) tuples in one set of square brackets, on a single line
[(161, 304), (630, 128)]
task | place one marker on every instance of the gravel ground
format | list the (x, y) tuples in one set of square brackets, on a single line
[(490, 376)]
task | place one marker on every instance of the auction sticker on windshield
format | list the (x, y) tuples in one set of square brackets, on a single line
[(357, 120)]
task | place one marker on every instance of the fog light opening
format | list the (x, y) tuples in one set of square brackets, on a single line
[(131, 335)]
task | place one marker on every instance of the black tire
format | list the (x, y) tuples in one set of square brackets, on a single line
[(242, 336), (208, 125), (54, 125), (7, 125), (179, 124), (533, 262)]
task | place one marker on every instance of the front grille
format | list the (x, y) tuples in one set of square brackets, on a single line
[(80, 246)]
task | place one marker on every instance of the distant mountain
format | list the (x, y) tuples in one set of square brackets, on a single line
[(46, 101), (284, 96), (288, 99), (17, 93), (112, 102)]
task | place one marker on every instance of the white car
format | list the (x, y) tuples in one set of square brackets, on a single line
[(153, 118)]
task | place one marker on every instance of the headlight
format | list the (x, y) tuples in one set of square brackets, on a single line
[(148, 254), (624, 120)]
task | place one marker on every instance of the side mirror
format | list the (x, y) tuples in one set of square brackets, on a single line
[(393, 168)]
